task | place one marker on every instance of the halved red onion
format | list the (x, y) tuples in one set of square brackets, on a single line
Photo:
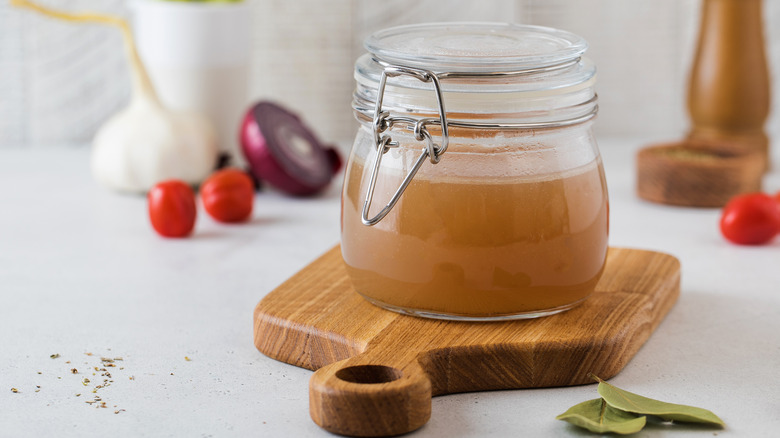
[(281, 150)]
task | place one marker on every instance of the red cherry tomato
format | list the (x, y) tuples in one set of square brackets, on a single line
[(228, 195), (750, 219), (172, 208)]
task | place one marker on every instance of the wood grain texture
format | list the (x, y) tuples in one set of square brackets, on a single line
[(698, 174), (729, 88), (726, 152), (377, 369)]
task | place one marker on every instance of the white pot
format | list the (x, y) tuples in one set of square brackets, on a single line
[(197, 55)]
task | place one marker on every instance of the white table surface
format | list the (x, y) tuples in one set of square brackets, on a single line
[(81, 272)]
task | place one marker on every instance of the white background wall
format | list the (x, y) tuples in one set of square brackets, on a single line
[(59, 81)]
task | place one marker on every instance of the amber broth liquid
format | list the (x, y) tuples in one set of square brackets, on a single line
[(478, 248)]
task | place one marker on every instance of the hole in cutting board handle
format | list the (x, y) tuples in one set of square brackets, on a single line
[(359, 397), (369, 374)]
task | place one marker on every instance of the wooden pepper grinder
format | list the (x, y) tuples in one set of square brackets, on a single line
[(727, 149), (728, 95)]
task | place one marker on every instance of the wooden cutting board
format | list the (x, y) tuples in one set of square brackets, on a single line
[(377, 370)]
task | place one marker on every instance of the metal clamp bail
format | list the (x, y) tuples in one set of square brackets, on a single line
[(383, 121)]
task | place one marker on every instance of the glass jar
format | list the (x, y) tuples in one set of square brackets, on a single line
[(474, 189)]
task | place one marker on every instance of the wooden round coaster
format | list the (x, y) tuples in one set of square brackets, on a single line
[(696, 174)]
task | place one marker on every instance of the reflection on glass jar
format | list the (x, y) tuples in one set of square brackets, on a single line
[(512, 220)]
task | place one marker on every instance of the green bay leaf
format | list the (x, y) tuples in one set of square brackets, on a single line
[(599, 417), (637, 404)]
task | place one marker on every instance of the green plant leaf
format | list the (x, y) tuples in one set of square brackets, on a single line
[(599, 417), (630, 402)]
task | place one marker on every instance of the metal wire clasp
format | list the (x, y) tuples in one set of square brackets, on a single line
[(383, 121)]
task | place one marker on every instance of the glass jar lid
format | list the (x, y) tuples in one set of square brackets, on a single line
[(495, 71), (475, 47)]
